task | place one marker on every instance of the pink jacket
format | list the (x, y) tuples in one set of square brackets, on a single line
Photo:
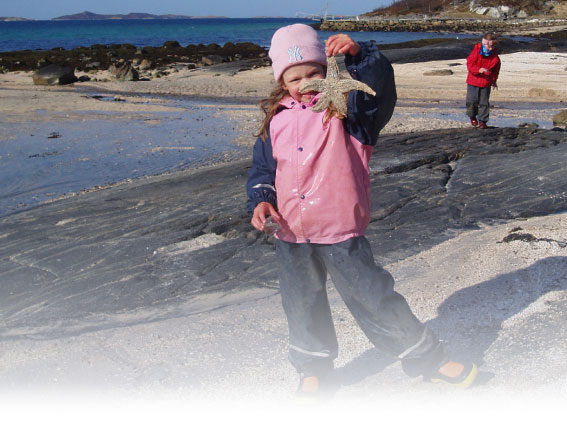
[(322, 178), (315, 174)]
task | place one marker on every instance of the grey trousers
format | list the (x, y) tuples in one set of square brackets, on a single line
[(477, 102), (368, 292)]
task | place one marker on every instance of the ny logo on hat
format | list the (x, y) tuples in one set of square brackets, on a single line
[(294, 54)]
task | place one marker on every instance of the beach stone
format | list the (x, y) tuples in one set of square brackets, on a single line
[(145, 64), (214, 47), (439, 72), (124, 72), (542, 92), (171, 44), (212, 60), (560, 119), (528, 125), (184, 66), (53, 74), (521, 14), (43, 62)]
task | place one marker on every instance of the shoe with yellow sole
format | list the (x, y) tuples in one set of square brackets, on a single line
[(463, 380)]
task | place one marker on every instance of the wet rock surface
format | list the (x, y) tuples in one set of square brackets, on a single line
[(458, 49), (54, 74), (145, 248), (124, 72), (560, 119)]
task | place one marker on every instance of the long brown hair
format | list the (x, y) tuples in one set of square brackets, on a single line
[(271, 106)]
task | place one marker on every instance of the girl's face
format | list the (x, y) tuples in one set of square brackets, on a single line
[(295, 76)]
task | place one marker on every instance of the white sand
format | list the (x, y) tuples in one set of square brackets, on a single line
[(234, 358)]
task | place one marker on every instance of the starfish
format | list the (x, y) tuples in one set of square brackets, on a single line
[(333, 88)]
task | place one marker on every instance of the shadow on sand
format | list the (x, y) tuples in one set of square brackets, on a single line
[(472, 319)]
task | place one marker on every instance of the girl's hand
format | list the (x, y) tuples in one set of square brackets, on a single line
[(341, 44), (261, 211)]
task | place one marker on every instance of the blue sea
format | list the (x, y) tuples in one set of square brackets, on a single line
[(44, 35)]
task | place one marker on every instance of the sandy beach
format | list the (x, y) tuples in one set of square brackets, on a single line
[(530, 90), (234, 351)]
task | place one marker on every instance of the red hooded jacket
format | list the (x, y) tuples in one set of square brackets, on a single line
[(475, 61)]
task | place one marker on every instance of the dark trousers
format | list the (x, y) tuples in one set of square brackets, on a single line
[(368, 292), (477, 102)]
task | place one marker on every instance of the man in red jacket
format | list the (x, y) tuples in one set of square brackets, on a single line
[(483, 65)]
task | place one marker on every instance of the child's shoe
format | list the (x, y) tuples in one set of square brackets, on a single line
[(309, 387), (474, 121), (450, 374), (482, 125)]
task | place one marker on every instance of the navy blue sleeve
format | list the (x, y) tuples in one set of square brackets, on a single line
[(368, 114), (260, 186)]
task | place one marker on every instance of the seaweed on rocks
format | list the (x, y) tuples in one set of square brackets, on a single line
[(101, 57)]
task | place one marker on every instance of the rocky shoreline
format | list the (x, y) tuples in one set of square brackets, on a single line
[(127, 62), (428, 24), (149, 61)]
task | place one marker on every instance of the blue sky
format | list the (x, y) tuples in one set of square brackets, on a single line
[(47, 9)]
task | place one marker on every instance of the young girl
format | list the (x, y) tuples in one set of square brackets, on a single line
[(310, 176)]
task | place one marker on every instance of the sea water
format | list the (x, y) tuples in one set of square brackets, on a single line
[(69, 34), (42, 160)]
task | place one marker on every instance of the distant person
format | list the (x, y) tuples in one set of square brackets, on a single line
[(483, 65), (310, 175)]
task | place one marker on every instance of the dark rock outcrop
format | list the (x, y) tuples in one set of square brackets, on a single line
[(84, 58), (440, 49), (135, 246)]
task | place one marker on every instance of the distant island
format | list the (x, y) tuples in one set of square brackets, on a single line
[(13, 19), (94, 16)]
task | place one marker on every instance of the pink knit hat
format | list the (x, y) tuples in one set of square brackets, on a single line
[(295, 44)]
